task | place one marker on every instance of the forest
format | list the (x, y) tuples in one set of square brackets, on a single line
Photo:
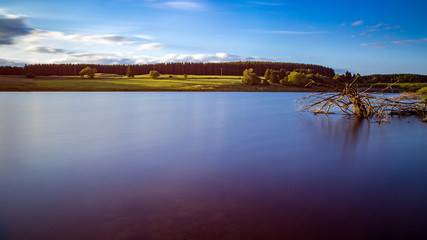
[(389, 78), (225, 68)]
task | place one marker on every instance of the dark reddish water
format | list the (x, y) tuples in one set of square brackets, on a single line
[(204, 166)]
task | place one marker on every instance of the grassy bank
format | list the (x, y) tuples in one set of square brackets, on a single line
[(112, 82), (411, 87), (104, 82)]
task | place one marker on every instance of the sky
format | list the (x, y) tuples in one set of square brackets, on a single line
[(365, 36)]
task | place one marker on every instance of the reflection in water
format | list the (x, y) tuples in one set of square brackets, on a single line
[(204, 166), (350, 135)]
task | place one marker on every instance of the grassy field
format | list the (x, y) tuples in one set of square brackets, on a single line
[(110, 82), (412, 87)]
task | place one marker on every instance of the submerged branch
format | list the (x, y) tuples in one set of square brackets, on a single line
[(349, 100)]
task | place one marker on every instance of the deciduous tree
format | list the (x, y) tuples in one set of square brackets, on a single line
[(250, 77), (154, 74), (298, 79), (88, 72)]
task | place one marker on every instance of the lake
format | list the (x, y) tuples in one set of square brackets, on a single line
[(182, 165)]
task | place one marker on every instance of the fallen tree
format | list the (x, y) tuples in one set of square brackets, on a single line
[(362, 104)]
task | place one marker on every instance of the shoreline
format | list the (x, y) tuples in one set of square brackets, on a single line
[(194, 83)]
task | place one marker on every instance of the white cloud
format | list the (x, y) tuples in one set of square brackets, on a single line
[(44, 50), (130, 58), (38, 34), (357, 23), (294, 32), (391, 27), (266, 3), (146, 37), (4, 14), (424, 40), (95, 58), (378, 25), (108, 39), (386, 44), (183, 5), (150, 46), (374, 45), (218, 57)]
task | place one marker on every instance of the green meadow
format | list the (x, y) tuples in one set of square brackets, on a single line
[(111, 82)]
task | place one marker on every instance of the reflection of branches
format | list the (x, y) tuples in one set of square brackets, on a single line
[(351, 101), (348, 136)]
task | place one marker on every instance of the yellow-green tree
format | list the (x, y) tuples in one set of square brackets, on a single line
[(296, 78), (154, 74), (88, 72), (250, 77)]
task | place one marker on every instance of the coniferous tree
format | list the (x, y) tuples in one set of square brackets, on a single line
[(129, 72)]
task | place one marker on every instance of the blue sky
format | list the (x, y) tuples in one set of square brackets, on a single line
[(362, 36)]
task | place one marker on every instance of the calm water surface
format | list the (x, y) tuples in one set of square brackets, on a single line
[(204, 166)]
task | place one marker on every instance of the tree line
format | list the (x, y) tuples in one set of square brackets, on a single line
[(301, 77), (391, 78), (297, 77), (277, 70), (225, 68)]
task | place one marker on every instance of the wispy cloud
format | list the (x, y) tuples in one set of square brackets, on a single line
[(218, 57), (387, 44), (38, 34), (294, 32), (357, 23), (374, 45), (95, 58), (375, 28), (267, 3), (44, 50), (378, 25), (150, 46), (384, 25), (12, 26), (108, 39), (424, 40), (392, 27), (146, 37), (129, 58), (183, 5)]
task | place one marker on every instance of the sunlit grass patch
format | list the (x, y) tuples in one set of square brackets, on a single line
[(103, 82)]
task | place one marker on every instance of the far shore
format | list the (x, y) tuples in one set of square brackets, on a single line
[(192, 83)]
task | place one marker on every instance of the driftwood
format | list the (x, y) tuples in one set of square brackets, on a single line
[(362, 104)]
